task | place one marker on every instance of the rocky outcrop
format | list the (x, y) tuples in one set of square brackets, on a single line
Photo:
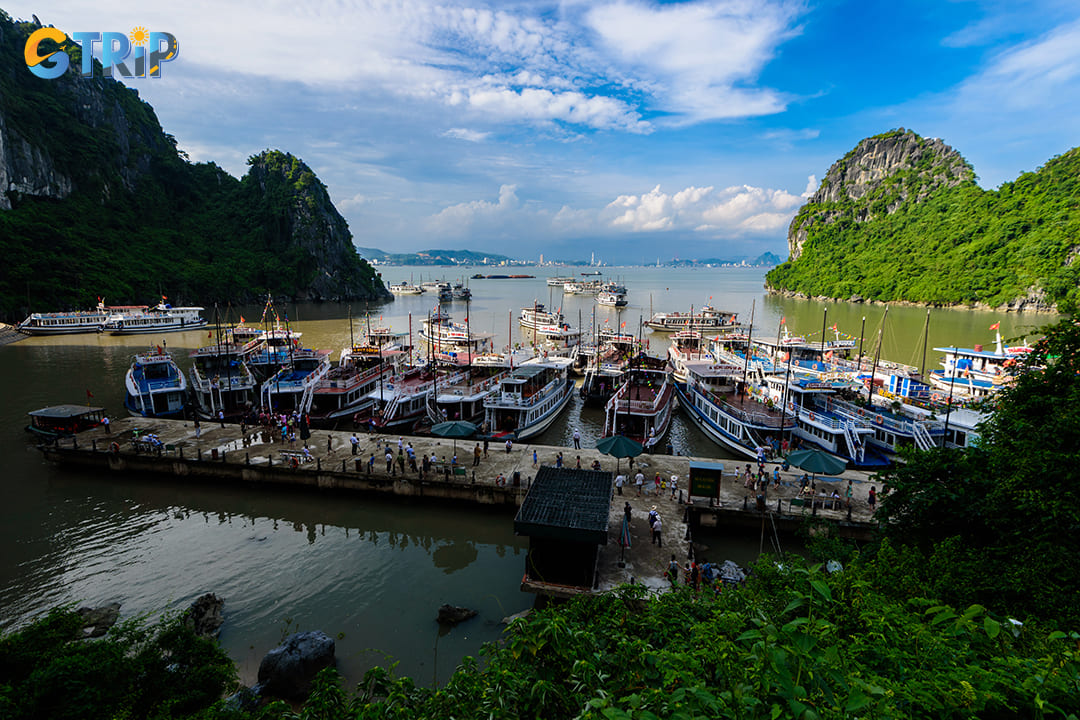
[(877, 177), (97, 621), (307, 220), (287, 670), (204, 616), (452, 614)]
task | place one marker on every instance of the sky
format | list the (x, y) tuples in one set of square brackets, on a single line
[(627, 130)]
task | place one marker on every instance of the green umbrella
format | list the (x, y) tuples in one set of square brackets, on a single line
[(454, 429), (817, 461), (618, 446)]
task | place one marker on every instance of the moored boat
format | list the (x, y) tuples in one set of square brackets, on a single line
[(641, 408), (64, 420), (76, 321), (708, 319), (529, 399), (161, 318), (155, 386), (975, 373), (406, 288), (220, 379)]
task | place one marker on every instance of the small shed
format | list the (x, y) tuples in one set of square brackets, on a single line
[(565, 517), (705, 479)]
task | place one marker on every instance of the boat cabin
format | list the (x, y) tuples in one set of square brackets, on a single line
[(63, 420)]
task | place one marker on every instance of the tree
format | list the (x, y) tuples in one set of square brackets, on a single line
[(1000, 523)]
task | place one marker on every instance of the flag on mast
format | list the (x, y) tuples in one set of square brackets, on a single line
[(995, 326)]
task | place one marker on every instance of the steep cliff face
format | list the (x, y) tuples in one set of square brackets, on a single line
[(96, 200), (876, 178), (901, 219), (305, 219)]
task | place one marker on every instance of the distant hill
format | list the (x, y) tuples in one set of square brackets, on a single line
[(97, 201), (900, 218), (437, 257), (767, 259)]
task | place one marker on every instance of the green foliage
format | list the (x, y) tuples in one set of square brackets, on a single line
[(794, 642), (136, 671), (998, 524), (142, 221), (959, 245)]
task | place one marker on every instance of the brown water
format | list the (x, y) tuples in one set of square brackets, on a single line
[(370, 573)]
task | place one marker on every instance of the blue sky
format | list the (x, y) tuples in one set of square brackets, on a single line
[(635, 130)]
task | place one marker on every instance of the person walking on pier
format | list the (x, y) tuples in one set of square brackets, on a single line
[(476, 455), (486, 448), (371, 465), (401, 460), (535, 459), (620, 480), (355, 443), (389, 461), (509, 445), (628, 512), (577, 439), (329, 444), (105, 424), (221, 418), (639, 480), (674, 485), (871, 498), (198, 429), (657, 530)]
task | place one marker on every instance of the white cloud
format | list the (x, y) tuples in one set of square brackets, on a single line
[(604, 66), (735, 212), (466, 134)]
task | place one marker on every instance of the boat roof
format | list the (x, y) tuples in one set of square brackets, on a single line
[(972, 352), (65, 411)]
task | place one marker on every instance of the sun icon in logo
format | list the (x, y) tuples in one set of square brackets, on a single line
[(138, 35)]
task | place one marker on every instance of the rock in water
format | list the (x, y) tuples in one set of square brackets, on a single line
[(204, 616), (97, 621), (452, 615), (287, 670)]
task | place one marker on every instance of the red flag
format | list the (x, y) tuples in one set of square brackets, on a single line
[(995, 326), (210, 334), (781, 321), (241, 319), (834, 328), (89, 394), (623, 324)]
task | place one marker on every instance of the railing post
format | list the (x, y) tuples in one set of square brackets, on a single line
[(269, 460), (200, 454)]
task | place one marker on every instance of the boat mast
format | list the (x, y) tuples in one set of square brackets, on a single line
[(824, 321), (749, 344), (925, 338), (877, 356)]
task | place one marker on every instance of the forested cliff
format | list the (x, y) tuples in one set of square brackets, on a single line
[(900, 218), (96, 200)]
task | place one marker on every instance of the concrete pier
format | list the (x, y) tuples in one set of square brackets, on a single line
[(222, 454)]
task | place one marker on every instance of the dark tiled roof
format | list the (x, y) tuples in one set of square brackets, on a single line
[(566, 504)]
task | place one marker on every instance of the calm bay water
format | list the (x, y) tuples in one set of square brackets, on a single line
[(371, 573)]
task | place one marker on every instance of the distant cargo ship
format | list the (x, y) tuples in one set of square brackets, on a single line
[(478, 276)]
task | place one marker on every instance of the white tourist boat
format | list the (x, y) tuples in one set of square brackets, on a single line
[(641, 408), (76, 321), (406, 288), (154, 385), (161, 318), (974, 373), (548, 326), (717, 400), (221, 380), (293, 386), (345, 390), (560, 281), (610, 298), (708, 319), (529, 399)]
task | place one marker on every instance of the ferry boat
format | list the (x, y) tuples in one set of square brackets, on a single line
[(76, 321), (273, 350), (560, 281), (460, 395), (461, 292), (819, 422), (446, 336), (406, 288), (161, 318), (975, 373), (293, 386), (548, 326), (155, 386), (609, 298), (529, 399), (64, 420), (345, 390), (641, 408), (709, 319), (400, 401), (220, 379), (587, 287), (716, 399)]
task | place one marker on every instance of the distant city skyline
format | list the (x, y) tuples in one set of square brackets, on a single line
[(624, 128)]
